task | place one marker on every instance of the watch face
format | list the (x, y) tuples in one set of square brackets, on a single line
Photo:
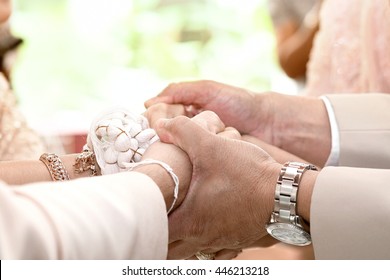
[(289, 233)]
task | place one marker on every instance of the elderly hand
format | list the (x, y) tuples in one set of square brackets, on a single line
[(235, 106), (276, 153), (231, 195), (165, 111), (177, 159), (296, 124)]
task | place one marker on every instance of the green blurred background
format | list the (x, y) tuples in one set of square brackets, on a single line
[(83, 56)]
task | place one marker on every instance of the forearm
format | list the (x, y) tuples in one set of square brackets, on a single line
[(305, 190), (350, 214), (162, 179), (176, 159), (276, 153), (294, 52), (305, 193), (301, 127), (106, 217), (30, 171)]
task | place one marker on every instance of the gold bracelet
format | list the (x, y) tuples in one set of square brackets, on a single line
[(86, 161), (55, 166)]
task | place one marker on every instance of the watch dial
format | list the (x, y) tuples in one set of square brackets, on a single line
[(289, 234)]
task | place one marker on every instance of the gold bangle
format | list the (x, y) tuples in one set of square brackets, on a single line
[(86, 161), (55, 166)]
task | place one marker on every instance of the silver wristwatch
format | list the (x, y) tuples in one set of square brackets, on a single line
[(285, 225)]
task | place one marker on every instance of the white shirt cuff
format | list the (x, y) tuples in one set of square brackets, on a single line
[(333, 159)]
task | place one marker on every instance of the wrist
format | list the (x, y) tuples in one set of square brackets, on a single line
[(180, 164), (264, 109), (69, 162), (292, 204), (304, 132), (305, 193), (162, 179), (265, 196)]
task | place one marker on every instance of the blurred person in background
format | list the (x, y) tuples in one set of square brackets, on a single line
[(295, 23), (351, 50), (17, 140), (339, 46), (8, 47)]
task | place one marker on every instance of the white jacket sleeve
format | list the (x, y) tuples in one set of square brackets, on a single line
[(363, 122), (350, 214), (121, 216)]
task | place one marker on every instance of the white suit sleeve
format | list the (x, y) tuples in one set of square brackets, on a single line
[(121, 216), (350, 210)]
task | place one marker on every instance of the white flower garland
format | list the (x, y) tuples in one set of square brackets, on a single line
[(119, 138)]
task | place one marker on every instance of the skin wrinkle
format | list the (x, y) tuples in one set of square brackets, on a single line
[(265, 130), (220, 241), (253, 113)]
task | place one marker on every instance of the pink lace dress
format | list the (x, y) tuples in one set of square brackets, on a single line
[(351, 52), (17, 140)]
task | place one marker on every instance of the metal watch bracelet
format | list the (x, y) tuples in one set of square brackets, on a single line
[(285, 224), (286, 191)]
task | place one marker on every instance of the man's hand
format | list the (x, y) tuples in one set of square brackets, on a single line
[(177, 159), (236, 107), (231, 194), (296, 124)]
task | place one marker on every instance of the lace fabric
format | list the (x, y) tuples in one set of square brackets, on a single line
[(351, 51), (17, 140)]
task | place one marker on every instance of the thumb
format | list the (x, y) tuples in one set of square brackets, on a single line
[(186, 93), (209, 121), (182, 132)]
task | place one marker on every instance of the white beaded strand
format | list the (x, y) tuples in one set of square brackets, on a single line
[(175, 179)]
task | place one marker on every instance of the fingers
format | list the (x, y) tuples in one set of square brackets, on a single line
[(266, 241), (188, 133), (164, 111), (231, 133), (185, 250), (225, 254), (180, 131), (187, 93), (179, 250), (209, 121), (168, 95), (192, 110)]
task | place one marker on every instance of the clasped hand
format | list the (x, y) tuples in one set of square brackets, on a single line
[(229, 198)]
